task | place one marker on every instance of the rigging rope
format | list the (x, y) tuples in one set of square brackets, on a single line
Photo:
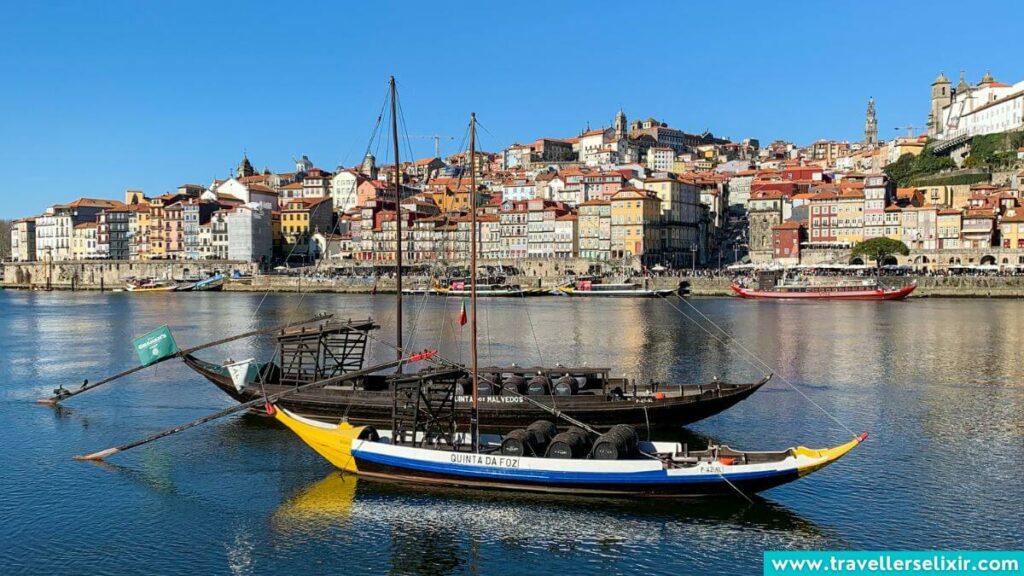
[(750, 355)]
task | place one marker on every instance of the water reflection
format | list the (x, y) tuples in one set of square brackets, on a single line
[(429, 514)]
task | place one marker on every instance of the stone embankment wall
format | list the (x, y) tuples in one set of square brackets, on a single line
[(112, 274), (107, 274)]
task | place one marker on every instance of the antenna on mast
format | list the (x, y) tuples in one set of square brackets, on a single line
[(474, 418), (398, 224)]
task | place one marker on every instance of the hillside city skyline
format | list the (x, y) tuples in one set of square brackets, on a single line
[(165, 112)]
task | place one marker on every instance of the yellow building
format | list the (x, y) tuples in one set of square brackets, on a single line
[(850, 217), (83, 241), (138, 232), (948, 224), (946, 196), (157, 233), (301, 217), (635, 217), (894, 222), (1011, 228)]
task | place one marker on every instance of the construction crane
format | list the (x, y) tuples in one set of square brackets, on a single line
[(909, 129), (436, 138)]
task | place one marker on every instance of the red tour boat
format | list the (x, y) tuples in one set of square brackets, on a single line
[(774, 285)]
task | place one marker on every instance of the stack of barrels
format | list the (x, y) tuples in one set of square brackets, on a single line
[(530, 441), (543, 439)]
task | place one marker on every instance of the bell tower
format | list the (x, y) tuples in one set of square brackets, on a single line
[(620, 124), (245, 167), (871, 125), (942, 96)]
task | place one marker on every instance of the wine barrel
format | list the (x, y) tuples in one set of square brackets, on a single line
[(619, 443), (566, 386), (540, 434), (539, 386), (516, 443), (515, 382), (573, 443), (485, 388)]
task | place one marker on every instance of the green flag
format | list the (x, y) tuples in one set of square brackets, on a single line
[(155, 346)]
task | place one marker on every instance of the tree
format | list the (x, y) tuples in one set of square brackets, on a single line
[(5, 240), (878, 249)]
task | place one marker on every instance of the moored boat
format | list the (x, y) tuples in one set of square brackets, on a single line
[(211, 284), (592, 395), (460, 289), (658, 469), (590, 289), (827, 292), (149, 285)]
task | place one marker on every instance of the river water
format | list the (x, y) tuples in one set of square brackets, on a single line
[(938, 383)]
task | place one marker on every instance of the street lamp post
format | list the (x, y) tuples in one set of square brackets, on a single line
[(693, 258)]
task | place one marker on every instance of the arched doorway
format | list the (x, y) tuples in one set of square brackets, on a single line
[(890, 261), (988, 260), (857, 261)]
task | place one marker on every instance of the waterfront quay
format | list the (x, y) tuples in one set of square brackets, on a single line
[(108, 275)]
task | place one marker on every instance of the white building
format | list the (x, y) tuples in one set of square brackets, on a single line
[(518, 189), (250, 237), (248, 194), (55, 228), (566, 236), (343, 189), (966, 111), (660, 158), (595, 143)]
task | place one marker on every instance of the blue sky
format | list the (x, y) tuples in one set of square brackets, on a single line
[(98, 97)]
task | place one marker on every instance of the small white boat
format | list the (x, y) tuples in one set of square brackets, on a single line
[(589, 289), (462, 290)]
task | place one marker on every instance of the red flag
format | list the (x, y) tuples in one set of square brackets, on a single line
[(462, 314)]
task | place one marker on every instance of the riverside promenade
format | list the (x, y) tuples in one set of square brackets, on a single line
[(105, 275)]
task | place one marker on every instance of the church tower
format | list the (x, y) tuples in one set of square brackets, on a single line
[(871, 125), (245, 168), (620, 124), (942, 96), (369, 167)]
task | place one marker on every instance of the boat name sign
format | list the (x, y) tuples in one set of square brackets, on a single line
[(490, 399), (485, 460)]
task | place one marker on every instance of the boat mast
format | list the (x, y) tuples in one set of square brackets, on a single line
[(398, 225), (474, 423)]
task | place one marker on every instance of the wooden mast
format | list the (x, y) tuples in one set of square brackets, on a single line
[(398, 224), (474, 422)]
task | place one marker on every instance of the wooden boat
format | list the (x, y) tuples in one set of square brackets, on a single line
[(594, 397), (589, 289), (658, 469), (148, 285), (827, 292), (211, 284)]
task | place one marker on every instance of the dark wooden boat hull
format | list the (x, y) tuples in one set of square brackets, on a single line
[(501, 413)]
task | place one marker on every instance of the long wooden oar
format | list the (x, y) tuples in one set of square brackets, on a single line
[(268, 399), (63, 393)]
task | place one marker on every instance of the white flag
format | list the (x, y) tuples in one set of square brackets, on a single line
[(240, 373)]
